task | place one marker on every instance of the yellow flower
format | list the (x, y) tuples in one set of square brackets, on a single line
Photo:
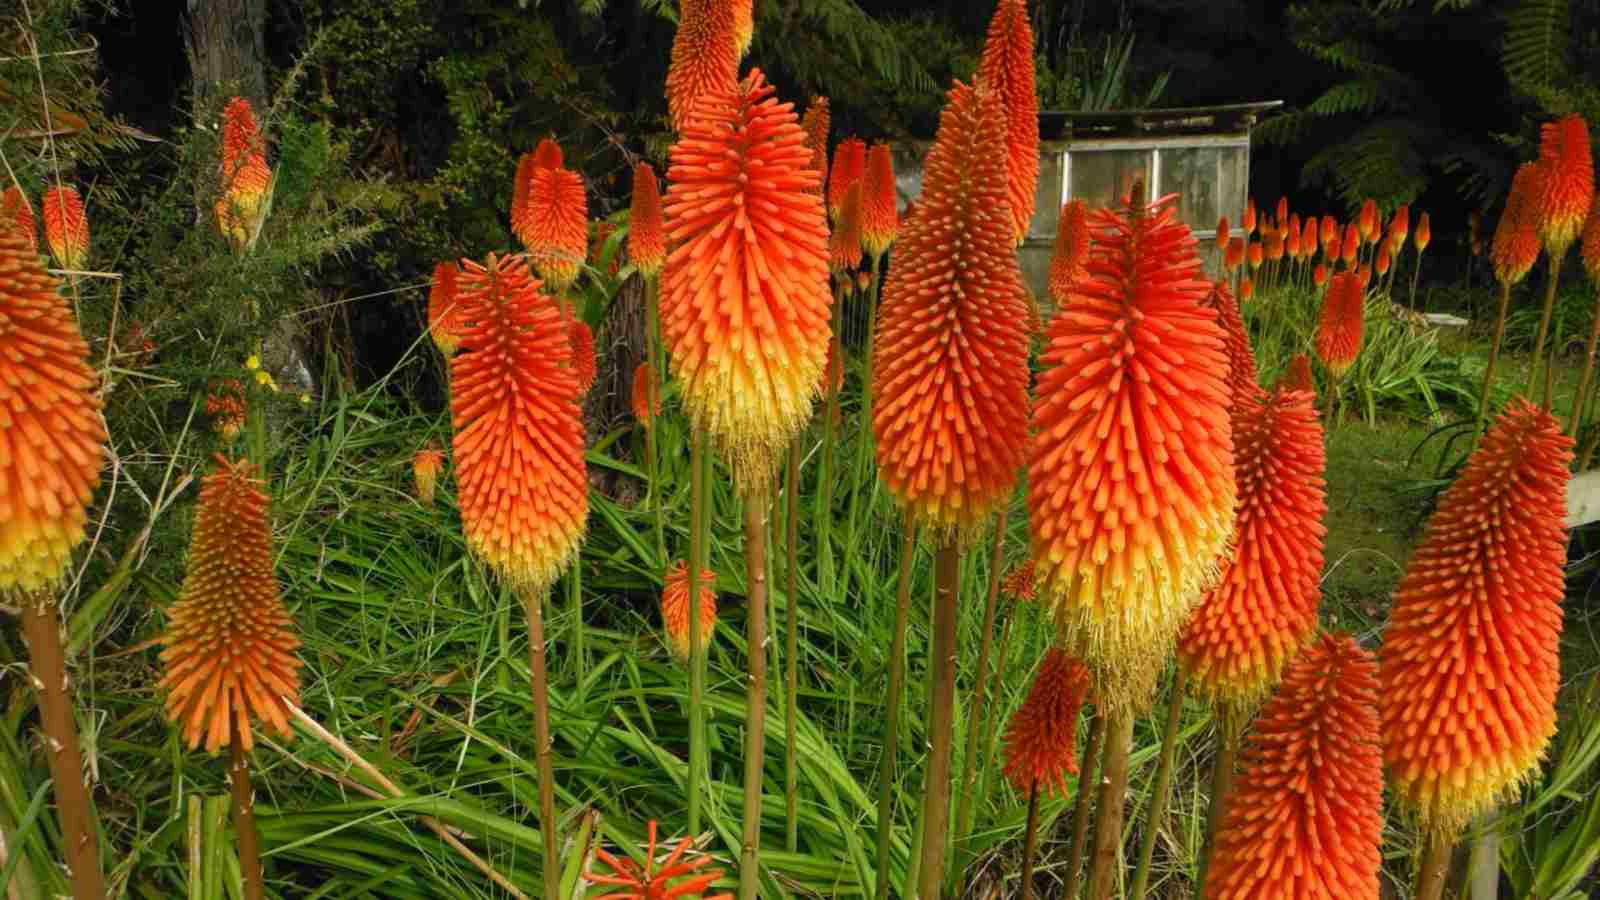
[(305, 399), (263, 379), (253, 363)]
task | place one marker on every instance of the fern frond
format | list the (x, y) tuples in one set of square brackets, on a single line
[(1536, 41)]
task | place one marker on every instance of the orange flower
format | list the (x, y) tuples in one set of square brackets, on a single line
[(1018, 583), (1368, 221), (1274, 246), (1283, 211), (1236, 644), (1381, 265), (880, 222), (1308, 239), (1247, 289), (1235, 256), (1399, 227), (1516, 237), (14, 207), (1257, 255), (1131, 486), (832, 373), (1561, 208), (53, 436), (225, 406), (1041, 744), (1330, 233), (518, 447), (647, 243), (815, 124), (1351, 244), (554, 224), (1331, 250), (705, 56), (676, 878), (66, 228), (646, 402), (1470, 660), (1424, 234), (675, 607), (849, 167), (444, 312), (547, 155), (1589, 249), (1242, 375), (245, 178), (744, 23), (1222, 234), (1298, 377), (951, 381), (744, 300), (1319, 275), (581, 340), (1249, 221), (844, 245), (230, 645), (425, 467), (1339, 327), (1291, 242), (1006, 68), (1305, 818), (1071, 251)]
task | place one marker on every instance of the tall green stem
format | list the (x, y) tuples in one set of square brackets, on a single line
[(824, 510), (864, 440), (1113, 798), (891, 727), (1494, 357), (1579, 399), (575, 604), (1088, 777), (1435, 865), (697, 540), (755, 558), (791, 651), (969, 768), (534, 601), (1161, 788), (1416, 273), (658, 375), (1483, 866), (1030, 840), (244, 823), (1537, 357), (941, 717), (1229, 726)]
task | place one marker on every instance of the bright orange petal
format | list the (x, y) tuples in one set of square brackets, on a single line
[(1007, 69)]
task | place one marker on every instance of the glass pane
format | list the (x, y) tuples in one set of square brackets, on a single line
[(908, 172), (1035, 262), (1209, 182), (1100, 177), (1047, 201)]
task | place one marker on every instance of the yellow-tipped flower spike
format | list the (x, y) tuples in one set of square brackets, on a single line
[(66, 226), (647, 240), (230, 647), (52, 437), (880, 213), (1007, 69), (705, 57), (246, 180), (951, 381), (844, 245), (520, 476), (425, 468), (675, 608), (553, 222), (744, 297), (1131, 486)]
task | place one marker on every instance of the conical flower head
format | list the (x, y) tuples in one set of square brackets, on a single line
[(951, 378), (844, 244), (444, 312), (1041, 739), (815, 123), (425, 468), (880, 218), (1329, 232), (554, 224), (1562, 206), (849, 167), (244, 176), (1130, 486), (1071, 251), (1018, 583), (647, 240), (1291, 243), (1305, 819), (1242, 375), (1350, 245), (744, 23), (52, 437), (1381, 264), (1515, 247), (547, 155), (583, 359), (1235, 254), (645, 399), (1298, 376), (1007, 69), (1424, 234), (1309, 242), (225, 406), (518, 443), (1470, 662), (66, 228), (1257, 254), (15, 208), (1400, 226), (230, 645), (744, 299), (1319, 275), (1367, 221), (1283, 211), (705, 57), (1247, 289), (1236, 644), (1338, 338), (675, 607), (1249, 219)]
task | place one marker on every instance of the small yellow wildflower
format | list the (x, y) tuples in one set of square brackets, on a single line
[(253, 363)]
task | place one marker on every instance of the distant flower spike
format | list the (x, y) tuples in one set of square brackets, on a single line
[(425, 468), (1561, 208), (554, 224), (1071, 251), (815, 123), (444, 312), (66, 228), (1424, 234), (880, 222), (1399, 227), (705, 57), (646, 403), (1516, 237), (1242, 376), (1006, 68), (675, 607), (844, 244), (1338, 338), (1298, 376), (1018, 583), (1367, 222), (246, 180), (583, 359), (1040, 743), (225, 406), (849, 167), (647, 242), (14, 207), (547, 155)]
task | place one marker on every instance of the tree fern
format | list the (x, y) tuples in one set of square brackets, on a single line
[(1536, 42)]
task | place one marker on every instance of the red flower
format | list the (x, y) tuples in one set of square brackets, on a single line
[(1249, 217), (1399, 227), (1330, 233), (1071, 251), (676, 878), (1368, 221), (1257, 254), (849, 167), (1339, 328), (554, 223), (1305, 819), (1381, 265), (705, 57), (1222, 234), (1235, 256), (1018, 583), (1516, 237), (583, 361), (951, 382), (815, 124), (675, 607), (444, 313), (1298, 377), (647, 243), (225, 406), (1319, 275), (14, 208), (1041, 747), (844, 245), (646, 402), (1247, 289), (880, 217), (1007, 69), (1470, 662), (547, 155), (1242, 377), (1561, 208), (1283, 211), (66, 228), (1424, 234), (1351, 244), (1131, 486), (1308, 239), (425, 468), (245, 178)]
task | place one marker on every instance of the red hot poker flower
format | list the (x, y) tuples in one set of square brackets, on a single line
[(678, 875), (1568, 186), (583, 360), (705, 57), (1040, 745), (554, 224), (1516, 237), (66, 228), (647, 242), (849, 167), (1071, 251), (425, 468), (880, 216), (675, 607), (815, 124), (1007, 69), (1298, 376), (646, 403), (1338, 338), (15, 207), (444, 313)]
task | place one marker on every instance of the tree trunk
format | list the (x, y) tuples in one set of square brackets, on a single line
[(227, 51)]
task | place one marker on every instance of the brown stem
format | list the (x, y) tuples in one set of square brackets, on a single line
[(1030, 842), (1113, 797), (1544, 324), (969, 768), (1582, 395), (791, 651), (941, 718), (534, 601), (1088, 777), (244, 823), (755, 561), (1160, 790), (41, 628), (891, 727), (1494, 357), (1435, 863)]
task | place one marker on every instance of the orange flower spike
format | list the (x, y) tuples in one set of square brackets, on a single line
[(1291, 243), (1562, 207), (1236, 644), (1018, 583), (66, 228), (1222, 234), (1249, 220), (1338, 339), (1071, 251), (1040, 742), (678, 875), (1400, 227), (744, 24), (951, 382), (1283, 211), (1257, 254), (1130, 482), (521, 183), (815, 123), (880, 222), (1329, 233), (849, 167), (1423, 236), (1235, 256), (1382, 262), (647, 242), (1298, 376), (230, 645), (1305, 819), (444, 312), (520, 476), (1589, 248), (14, 207), (1332, 250), (1516, 236), (581, 340), (425, 468), (1273, 246), (1242, 375), (1351, 244), (744, 298), (1367, 221), (547, 155), (554, 225), (645, 406), (1319, 275), (225, 406), (705, 57), (844, 244), (245, 177), (1247, 289), (675, 608), (54, 437), (1309, 242), (1007, 68), (1485, 587)]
